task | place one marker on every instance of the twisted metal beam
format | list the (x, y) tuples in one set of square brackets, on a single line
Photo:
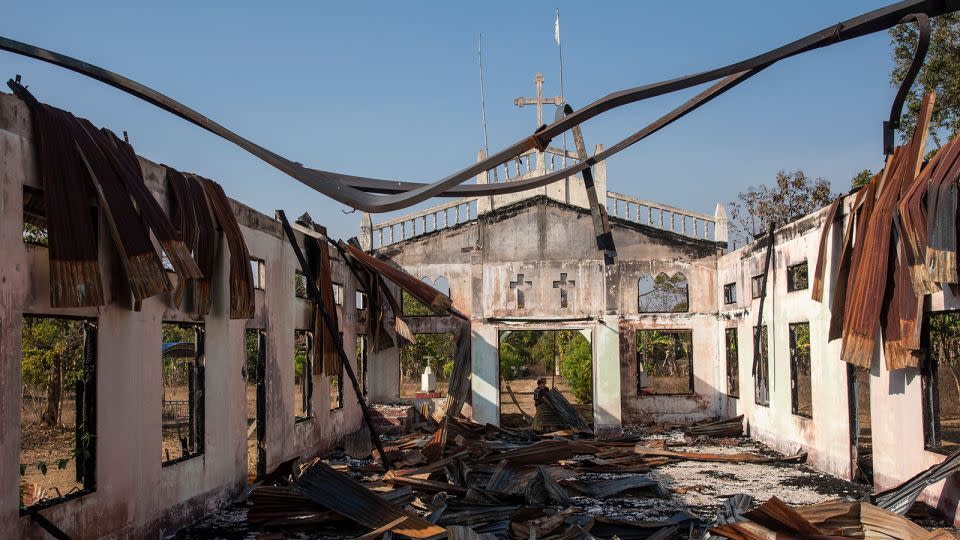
[(923, 43), (381, 195)]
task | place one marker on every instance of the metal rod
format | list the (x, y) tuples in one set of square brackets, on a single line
[(314, 294)]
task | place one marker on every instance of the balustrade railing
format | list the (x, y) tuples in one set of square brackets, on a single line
[(662, 216), (425, 221)]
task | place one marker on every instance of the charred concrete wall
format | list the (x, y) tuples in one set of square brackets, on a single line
[(135, 496), (539, 247), (898, 444)]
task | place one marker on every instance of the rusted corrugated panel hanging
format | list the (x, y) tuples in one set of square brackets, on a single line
[(818, 274), (912, 223), (141, 264), (438, 302), (875, 281), (184, 218), (208, 246), (318, 256), (74, 270), (941, 254), (125, 161), (242, 302), (403, 334), (402, 331), (855, 231)]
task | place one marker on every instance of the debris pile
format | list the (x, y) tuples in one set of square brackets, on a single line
[(483, 481)]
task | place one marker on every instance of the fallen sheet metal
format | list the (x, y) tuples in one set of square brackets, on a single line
[(736, 457), (603, 488), (543, 452), (729, 427), (338, 492), (543, 490), (565, 410), (832, 519), (902, 497)]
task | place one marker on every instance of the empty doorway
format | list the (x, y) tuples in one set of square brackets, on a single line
[(562, 358)]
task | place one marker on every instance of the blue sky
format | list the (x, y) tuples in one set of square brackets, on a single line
[(391, 89)]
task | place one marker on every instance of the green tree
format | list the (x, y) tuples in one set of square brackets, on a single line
[(793, 196), (52, 359), (516, 352), (576, 367), (434, 349), (940, 73), (411, 307), (861, 178)]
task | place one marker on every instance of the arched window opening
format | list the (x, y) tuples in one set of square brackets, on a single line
[(663, 294)]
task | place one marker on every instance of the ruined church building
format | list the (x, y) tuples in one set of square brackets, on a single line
[(508, 262)]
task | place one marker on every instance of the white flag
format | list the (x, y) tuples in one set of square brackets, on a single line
[(556, 28)]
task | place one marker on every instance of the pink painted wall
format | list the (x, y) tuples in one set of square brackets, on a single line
[(135, 496)]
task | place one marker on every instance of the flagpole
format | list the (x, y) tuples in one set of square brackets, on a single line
[(483, 101), (560, 48)]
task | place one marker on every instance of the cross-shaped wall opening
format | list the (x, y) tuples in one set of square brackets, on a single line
[(520, 285), (563, 284)]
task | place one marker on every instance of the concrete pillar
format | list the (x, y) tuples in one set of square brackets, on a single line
[(721, 224), (383, 377), (366, 232), (484, 204), (600, 177), (606, 376), (485, 381)]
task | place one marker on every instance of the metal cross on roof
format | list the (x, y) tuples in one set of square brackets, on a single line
[(539, 101)]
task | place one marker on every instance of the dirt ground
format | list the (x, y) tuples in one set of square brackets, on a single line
[(46, 444), (523, 391), (409, 389), (699, 488)]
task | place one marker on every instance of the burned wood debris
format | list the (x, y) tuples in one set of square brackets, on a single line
[(488, 482)]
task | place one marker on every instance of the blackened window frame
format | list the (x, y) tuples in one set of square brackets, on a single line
[(339, 406), (764, 360), (307, 396), (338, 292), (756, 286), (196, 392), (794, 372), (86, 415), (691, 379), (791, 282), (730, 294), (259, 268), (733, 375), (362, 358), (300, 286), (930, 390)]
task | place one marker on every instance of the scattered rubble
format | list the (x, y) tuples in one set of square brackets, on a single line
[(489, 482)]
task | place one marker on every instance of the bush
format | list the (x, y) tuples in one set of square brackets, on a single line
[(448, 370), (577, 368)]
